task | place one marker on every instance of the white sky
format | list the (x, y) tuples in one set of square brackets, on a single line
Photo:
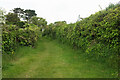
[(58, 10)]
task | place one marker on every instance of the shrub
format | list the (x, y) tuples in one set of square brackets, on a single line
[(28, 36), (97, 35), (9, 43), (13, 36)]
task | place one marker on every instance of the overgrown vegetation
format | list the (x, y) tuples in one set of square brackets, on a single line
[(17, 32), (51, 59), (14, 36), (98, 35)]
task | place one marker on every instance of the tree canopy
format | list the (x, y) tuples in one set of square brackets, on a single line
[(25, 14), (12, 18), (40, 22), (29, 14)]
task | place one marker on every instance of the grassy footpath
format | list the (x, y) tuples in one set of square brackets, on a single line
[(51, 59)]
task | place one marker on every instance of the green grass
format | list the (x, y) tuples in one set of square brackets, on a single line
[(51, 59)]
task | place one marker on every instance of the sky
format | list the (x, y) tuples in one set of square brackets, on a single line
[(58, 10)]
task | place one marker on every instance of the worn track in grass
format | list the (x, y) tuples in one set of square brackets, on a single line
[(51, 59)]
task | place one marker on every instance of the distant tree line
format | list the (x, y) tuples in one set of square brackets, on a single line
[(19, 17)]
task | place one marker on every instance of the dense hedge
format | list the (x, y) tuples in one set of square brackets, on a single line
[(13, 36), (98, 35)]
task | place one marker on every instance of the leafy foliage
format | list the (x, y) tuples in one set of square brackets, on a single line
[(12, 18), (29, 14), (98, 35), (14, 36), (29, 35), (24, 14), (9, 43), (19, 12), (40, 22)]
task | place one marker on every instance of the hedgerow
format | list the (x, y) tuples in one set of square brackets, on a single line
[(98, 35), (28, 36), (9, 43), (14, 36)]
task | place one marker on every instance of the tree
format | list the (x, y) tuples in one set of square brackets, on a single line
[(12, 18), (40, 22), (111, 5), (24, 14), (29, 14), (19, 11)]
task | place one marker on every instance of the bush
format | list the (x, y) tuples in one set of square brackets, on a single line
[(9, 43), (97, 35), (28, 36), (13, 36), (21, 24)]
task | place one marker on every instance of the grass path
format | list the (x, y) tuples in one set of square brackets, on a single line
[(52, 60)]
